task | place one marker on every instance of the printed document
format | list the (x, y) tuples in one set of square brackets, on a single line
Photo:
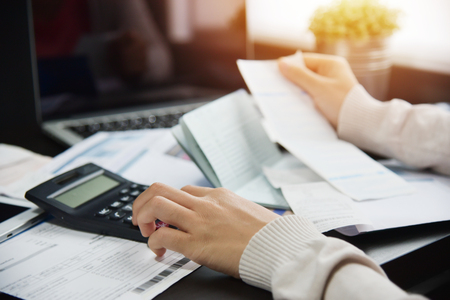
[(51, 262), (143, 156), (329, 209), (306, 134)]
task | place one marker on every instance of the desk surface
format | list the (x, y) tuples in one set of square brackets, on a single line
[(410, 256)]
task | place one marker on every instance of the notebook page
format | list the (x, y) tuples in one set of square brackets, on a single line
[(230, 134)]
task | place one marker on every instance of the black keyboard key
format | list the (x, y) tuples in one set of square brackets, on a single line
[(116, 204), (104, 212), (135, 193), (93, 128), (128, 207), (117, 215), (126, 198), (124, 191), (128, 219)]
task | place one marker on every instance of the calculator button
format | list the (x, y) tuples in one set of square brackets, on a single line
[(116, 204), (128, 219), (117, 215), (124, 191), (134, 186), (104, 212), (135, 193), (127, 208), (126, 198)]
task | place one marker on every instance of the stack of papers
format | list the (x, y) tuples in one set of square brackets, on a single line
[(348, 176), (327, 180), (307, 135)]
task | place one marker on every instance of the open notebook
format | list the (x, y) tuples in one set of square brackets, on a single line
[(227, 141)]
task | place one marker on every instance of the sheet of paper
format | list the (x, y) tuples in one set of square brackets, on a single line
[(232, 139), (198, 156), (289, 171), (323, 205), (288, 109), (142, 155), (16, 162), (304, 132), (260, 190), (112, 150), (51, 262), (330, 209), (156, 167), (348, 169), (10, 155), (431, 203)]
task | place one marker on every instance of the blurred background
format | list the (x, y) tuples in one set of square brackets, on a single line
[(210, 35)]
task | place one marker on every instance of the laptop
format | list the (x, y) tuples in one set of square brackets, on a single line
[(82, 104), (81, 88)]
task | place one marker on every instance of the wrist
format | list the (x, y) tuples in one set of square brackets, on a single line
[(273, 245)]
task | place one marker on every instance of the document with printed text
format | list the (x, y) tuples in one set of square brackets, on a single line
[(329, 209), (51, 262), (305, 133), (143, 156)]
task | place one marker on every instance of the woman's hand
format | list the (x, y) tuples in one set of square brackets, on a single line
[(215, 225), (326, 78)]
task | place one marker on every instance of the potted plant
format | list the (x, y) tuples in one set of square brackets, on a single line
[(358, 30)]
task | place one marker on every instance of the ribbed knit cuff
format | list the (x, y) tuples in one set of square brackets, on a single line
[(276, 243), (359, 119)]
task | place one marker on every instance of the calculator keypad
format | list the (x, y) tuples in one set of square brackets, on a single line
[(122, 208)]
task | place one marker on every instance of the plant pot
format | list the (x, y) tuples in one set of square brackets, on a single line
[(370, 60)]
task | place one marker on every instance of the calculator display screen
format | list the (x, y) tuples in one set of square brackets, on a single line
[(87, 190)]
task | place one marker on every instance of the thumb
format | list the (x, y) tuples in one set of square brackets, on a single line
[(301, 76)]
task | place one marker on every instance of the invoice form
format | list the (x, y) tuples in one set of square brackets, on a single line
[(52, 262)]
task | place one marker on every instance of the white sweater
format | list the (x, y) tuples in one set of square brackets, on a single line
[(293, 260)]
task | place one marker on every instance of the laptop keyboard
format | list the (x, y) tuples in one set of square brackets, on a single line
[(133, 123)]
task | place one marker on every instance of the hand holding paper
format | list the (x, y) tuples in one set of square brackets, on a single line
[(304, 132), (327, 79)]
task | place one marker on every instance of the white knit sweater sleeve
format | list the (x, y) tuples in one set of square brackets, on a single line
[(418, 135), (293, 260)]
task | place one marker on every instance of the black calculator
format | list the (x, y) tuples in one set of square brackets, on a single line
[(92, 199)]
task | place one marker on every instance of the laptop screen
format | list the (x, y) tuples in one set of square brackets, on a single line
[(96, 55)]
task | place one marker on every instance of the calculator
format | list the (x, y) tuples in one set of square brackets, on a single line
[(92, 199)]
